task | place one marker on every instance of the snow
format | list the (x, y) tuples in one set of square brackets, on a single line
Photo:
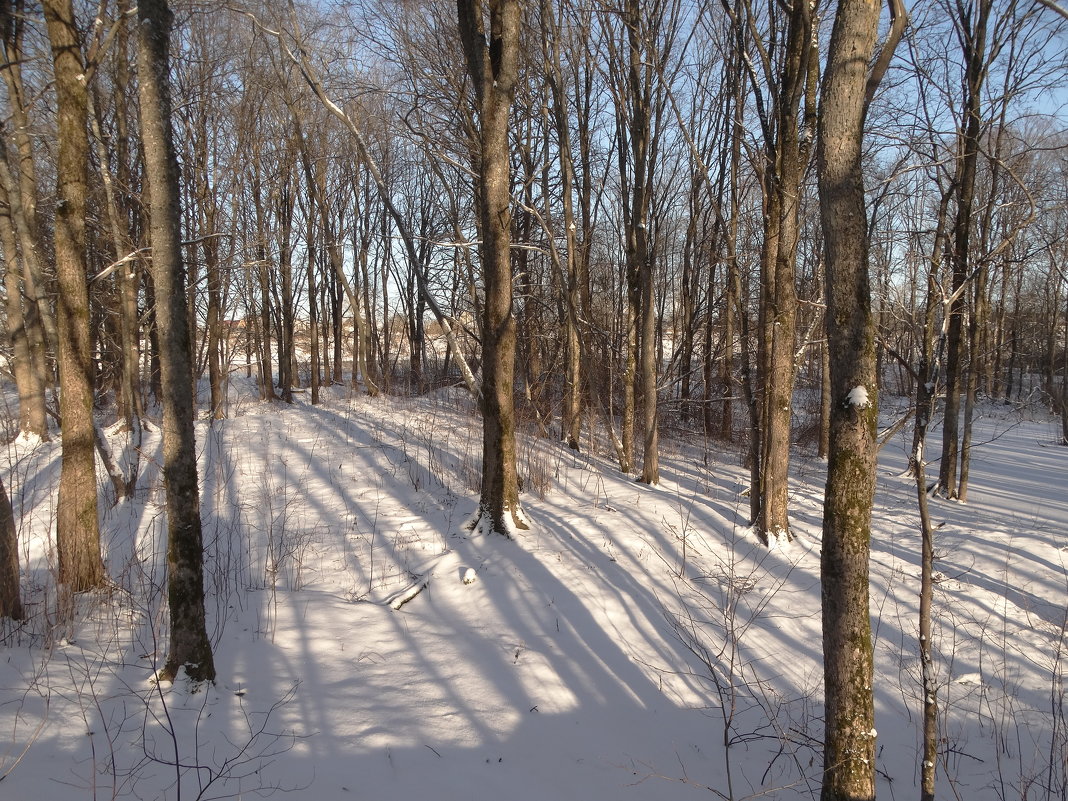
[(858, 396), (594, 657)]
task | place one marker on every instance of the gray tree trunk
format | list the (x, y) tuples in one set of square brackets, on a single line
[(849, 717), (189, 646)]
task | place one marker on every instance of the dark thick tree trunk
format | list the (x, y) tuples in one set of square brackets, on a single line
[(10, 599), (189, 645), (639, 260), (492, 63), (77, 525)]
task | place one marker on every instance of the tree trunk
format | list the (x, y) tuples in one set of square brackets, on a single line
[(824, 446), (732, 308), (213, 321), (786, 157), (1064, 384), (32, 416), (630, 368), (926, 382), (571, 411), (286, 203), (21, 185), (77, 525), (336, 307), (128, 395), (189, 646), (262, 314), (312, 257), (492, 63), (731, 299), (10, 598), (971, 383), (849, 717), (129, 276), (974, 41), (639, 261)]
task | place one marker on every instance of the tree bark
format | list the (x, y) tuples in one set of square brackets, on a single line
[(263, 322), (10, 598), (492, 64), (974, 41), (285, 206), (312, 256), (128, 395), (926, 381), (77, 525), (213, 321), (849, 717), (639, 261), (189, 647), (785, 157), (32, 416), (21, 185), (571, 412)]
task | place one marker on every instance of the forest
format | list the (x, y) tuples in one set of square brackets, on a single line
[(790, 269)]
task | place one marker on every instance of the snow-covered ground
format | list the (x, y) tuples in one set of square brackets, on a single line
[(637, 643)]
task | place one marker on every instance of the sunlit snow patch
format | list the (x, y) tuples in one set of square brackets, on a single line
[(858, 396)]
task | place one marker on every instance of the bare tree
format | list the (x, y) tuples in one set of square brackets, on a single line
[(973, 23), (572, 278), (77, 525), (23, 254), (32, 417), (849, 719), (640, 284), (782, 73), (114, 147), (492, 64), (189, 645)]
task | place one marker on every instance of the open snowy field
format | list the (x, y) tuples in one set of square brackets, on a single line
[(636, 644)]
